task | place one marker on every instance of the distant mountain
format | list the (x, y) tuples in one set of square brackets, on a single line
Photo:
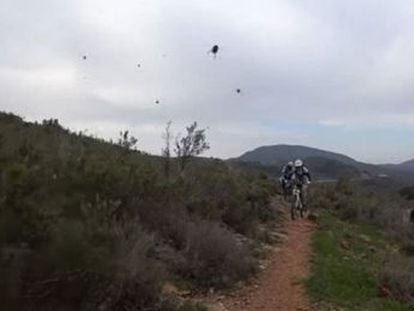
[(402, 168), (407, 164), (281, 154), (323, 164)]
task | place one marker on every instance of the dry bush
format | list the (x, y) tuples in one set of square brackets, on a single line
[(89, 277), (136, 278), (202, 252), (214, 256), (406, 234), (352, 203), (407, 193), (398, 277), (179, 305)]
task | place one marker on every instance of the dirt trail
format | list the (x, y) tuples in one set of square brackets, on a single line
[(279, 286)]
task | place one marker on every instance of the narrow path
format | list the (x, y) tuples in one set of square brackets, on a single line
[(279, 286)]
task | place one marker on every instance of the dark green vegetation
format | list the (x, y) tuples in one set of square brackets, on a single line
[(407, 193), (91, 225), (362, 251), (324, 165)]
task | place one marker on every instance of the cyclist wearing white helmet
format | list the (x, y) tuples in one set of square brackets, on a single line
[(301, 173), (301, 178)]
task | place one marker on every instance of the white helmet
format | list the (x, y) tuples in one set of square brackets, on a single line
[(290, 163), (298, 163)]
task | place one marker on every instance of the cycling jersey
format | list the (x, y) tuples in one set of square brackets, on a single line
[(301, 175)]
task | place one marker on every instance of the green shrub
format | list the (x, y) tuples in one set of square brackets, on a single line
[(407, 193), (68, 249)]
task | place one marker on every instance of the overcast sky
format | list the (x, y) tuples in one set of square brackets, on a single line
[(338, 75)]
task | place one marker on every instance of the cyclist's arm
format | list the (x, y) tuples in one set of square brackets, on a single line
[(307, 174)]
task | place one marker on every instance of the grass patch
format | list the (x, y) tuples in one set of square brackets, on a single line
[(346, 266)]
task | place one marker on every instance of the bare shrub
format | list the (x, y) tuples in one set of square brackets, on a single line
[(137, 278), (406, 235), (179, 305), (89, 277), (214, 257), (398, 277)]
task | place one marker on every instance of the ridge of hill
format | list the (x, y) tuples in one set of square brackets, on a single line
[(409, 163), (406, 165), (324, 165), (280, 154)]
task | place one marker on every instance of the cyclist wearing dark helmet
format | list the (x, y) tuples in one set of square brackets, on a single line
[(285, 178)]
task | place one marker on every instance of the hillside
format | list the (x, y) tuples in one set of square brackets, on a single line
[(408, 164), (87, 224), (404, 166), (280, 154), (324, 165)]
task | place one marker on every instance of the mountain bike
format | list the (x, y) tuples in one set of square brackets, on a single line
[(297, 206), (286, 188)]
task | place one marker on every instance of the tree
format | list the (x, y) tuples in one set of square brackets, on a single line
[(166, 151), (126, 141), (191, 145)]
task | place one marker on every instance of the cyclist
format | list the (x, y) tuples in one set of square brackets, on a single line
[(301, 178), (285, 178)]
